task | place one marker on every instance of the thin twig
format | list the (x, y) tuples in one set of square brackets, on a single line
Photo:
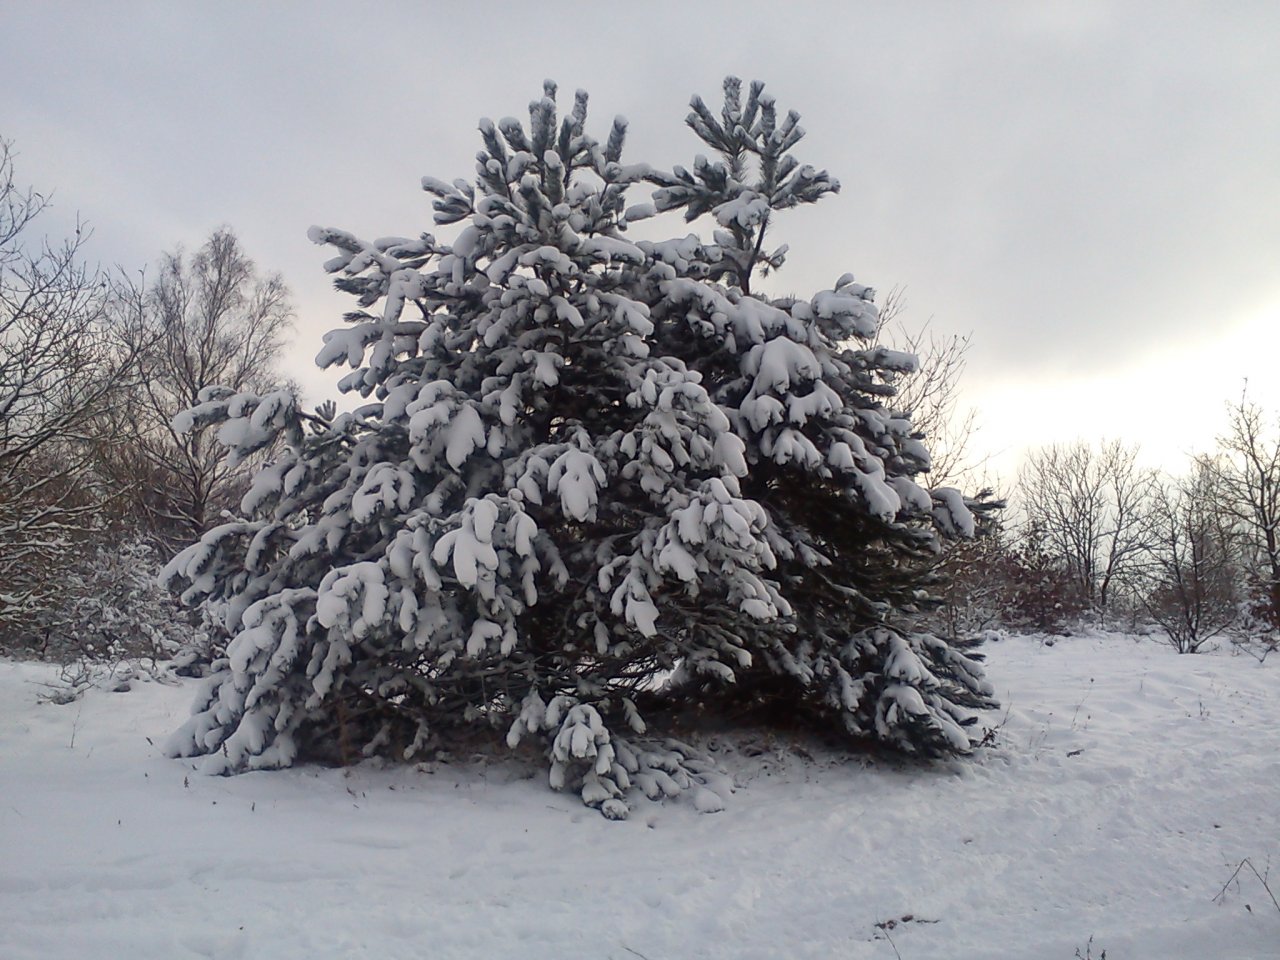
[(885, 931), (1246, 862), (1081, 703), (75, 726), (636, 952)]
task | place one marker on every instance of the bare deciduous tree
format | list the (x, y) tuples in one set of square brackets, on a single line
[(1194, 593), (67, 354), (1246, 472), (1090, 509), (215, 321), (931, 395)]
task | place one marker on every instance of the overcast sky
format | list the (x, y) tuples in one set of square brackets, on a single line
[(1091, 190)]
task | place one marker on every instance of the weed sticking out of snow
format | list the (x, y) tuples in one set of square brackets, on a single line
[(1233, 883)]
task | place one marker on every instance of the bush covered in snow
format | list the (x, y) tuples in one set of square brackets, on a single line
[(111, 607), (593, 475)]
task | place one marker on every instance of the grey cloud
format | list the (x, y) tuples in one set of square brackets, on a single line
[(1075, 183)]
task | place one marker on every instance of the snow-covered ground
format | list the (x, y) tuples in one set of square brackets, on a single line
[(1128, 784)]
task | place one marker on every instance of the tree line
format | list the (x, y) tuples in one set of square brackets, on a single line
[(1085, 535), (96, 485), (1091, 536)]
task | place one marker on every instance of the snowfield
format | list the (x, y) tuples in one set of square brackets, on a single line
[(1127, 785)]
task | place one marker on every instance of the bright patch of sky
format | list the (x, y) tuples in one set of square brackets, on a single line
[(1171, 401)]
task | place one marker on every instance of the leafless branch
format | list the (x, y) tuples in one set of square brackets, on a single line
[(67, 355), (211, 319), (1090, 509)]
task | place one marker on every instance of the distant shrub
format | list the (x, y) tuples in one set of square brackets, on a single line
[(111, 608)]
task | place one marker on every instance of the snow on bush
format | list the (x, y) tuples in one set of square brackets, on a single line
[(585, 464), (111, 607)]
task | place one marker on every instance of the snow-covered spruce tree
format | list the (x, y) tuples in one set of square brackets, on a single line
[(594, 474)]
